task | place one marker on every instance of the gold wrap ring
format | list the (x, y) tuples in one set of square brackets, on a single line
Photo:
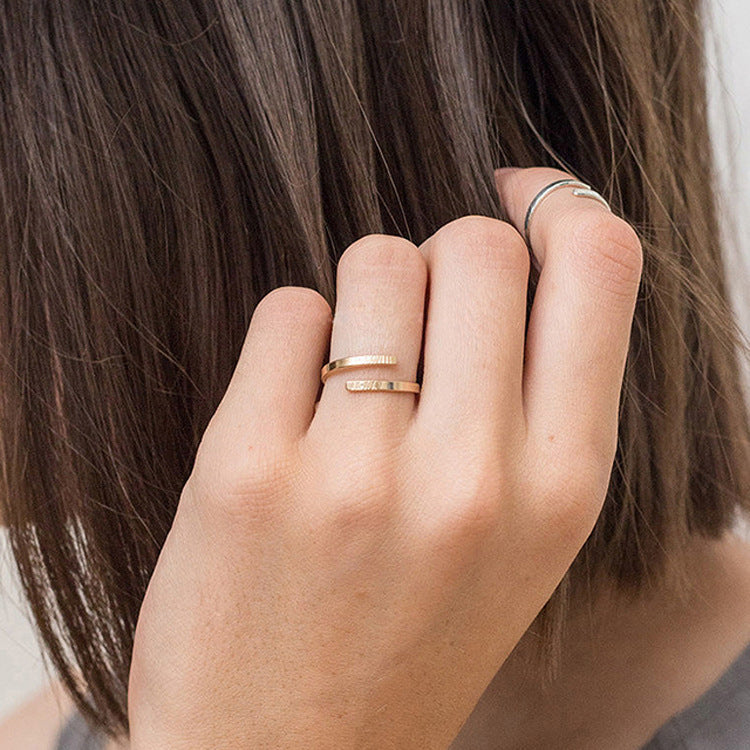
[(361, 360)]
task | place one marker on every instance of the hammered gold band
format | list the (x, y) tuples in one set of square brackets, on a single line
[(359, 360), (362, 360)]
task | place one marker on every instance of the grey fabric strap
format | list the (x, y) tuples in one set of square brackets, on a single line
[(76, 735), (718, 720)]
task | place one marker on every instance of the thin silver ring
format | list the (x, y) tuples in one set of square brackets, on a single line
[(581, 189)]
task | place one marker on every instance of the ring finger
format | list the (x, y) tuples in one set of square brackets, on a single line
[(380, 287)]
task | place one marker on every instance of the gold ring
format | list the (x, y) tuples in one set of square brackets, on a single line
[(382, 385), (358, 361)]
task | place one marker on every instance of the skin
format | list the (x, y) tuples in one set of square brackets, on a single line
[(627, 667), (378, 563), (630, 667), (392, 549), (36, 723)]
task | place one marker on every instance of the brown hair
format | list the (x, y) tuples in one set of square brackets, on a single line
[(165, 165)]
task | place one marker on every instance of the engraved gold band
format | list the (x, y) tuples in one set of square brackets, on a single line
[(362, 360), (382, 385), (358, 361)]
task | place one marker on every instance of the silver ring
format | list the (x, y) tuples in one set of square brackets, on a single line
[(581, 189)]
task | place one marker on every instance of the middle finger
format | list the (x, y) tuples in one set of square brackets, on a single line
[(474, 332)]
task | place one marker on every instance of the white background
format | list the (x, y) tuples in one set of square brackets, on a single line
[(21, 668)]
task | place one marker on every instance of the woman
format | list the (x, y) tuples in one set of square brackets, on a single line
[(573, 457)]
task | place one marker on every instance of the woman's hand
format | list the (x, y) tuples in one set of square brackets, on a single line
[(353, 577)]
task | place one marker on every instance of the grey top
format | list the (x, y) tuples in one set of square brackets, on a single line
[(718, 720), (76, 735)]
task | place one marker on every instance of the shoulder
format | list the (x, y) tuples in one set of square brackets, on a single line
[(37, 722)]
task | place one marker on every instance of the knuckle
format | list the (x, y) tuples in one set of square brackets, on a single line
[(572, 496), (354, 483), (609, 249), (251, 483), (348, 503), (293, 301), (382, 253), (481, 240), (466, 505)]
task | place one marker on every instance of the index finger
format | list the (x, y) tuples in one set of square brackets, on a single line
[(581, 318)]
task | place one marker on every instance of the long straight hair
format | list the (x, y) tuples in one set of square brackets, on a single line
[(165, 165)]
